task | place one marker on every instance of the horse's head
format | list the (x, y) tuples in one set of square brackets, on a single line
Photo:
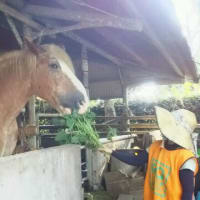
[(55, 81)]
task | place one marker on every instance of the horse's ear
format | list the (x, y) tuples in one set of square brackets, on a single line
[(36, 49)]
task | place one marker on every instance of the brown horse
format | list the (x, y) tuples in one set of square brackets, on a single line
[(45, 71)]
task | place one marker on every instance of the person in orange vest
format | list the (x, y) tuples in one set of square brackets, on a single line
[(171, 162)]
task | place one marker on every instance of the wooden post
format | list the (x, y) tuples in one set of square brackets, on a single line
[(84, 66), (31, 107), (31, 103), (125, 102), (126, 122), (125, 96)]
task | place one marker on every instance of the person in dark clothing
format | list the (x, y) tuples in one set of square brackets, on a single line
[(175, 153)]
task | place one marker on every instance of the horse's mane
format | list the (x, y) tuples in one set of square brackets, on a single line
[(16, 62), (23, 60), (18, 59)]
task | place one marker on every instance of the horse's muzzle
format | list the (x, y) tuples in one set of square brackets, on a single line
[(75, 101)]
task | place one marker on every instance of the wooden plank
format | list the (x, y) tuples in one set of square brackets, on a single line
[(145, 117), (17, 15), (51, 127), (135, 126), (144, 126), (49, 115), (84, 16), (132, 133)]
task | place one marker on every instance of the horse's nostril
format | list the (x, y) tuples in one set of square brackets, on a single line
[(82, 102), (77, 105)]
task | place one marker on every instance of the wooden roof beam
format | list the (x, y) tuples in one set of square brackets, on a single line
[(110, 37), (156, 42), (145, 73), (14, 30), (87, 44), (82, 3), (79, 26), (17, 15), (35, 25), (92, 47), (118, 63), (85, 16)]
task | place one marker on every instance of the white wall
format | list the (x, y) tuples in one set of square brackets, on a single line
[(49, 174), (97, 161)]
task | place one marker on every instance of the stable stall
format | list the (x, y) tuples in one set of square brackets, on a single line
[(113, 45)]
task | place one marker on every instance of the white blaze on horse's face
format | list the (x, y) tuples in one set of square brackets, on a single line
[(77, 99), (56, 82)]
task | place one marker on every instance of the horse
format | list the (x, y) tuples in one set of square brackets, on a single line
[(45, 71)]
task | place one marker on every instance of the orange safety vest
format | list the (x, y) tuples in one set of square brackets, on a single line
[(162, 177)]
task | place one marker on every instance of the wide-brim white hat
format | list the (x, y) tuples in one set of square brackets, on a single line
[(177, 126)]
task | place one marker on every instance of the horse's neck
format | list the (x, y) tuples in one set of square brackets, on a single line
[(15, 90)]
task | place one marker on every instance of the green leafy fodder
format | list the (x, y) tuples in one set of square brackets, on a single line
[(79, 129)]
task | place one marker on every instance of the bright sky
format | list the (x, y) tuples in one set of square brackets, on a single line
[(147, 92), (188, 13)]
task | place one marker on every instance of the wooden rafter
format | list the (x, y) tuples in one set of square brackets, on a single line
[(139, 61), (73, 36), (18, 4), (116, 61), (144, 72), (35, 25), (151, 34), (17, 15), (14, 30), (117, 42), (79, 26), (84, 16), (83, 4), (92, 47), (85, 43)]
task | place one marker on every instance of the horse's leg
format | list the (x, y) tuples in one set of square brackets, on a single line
[(8, 140)]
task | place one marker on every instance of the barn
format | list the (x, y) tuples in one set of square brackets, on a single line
[(113, 45)]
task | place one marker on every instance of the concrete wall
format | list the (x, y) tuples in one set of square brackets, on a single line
[(97, 161), (49, 174)]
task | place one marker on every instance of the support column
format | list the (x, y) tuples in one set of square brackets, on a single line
[(126, 122), (84, 66), (31, 103), (125, 95)]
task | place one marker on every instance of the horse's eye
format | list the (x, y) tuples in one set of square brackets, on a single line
[(54, 65)]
